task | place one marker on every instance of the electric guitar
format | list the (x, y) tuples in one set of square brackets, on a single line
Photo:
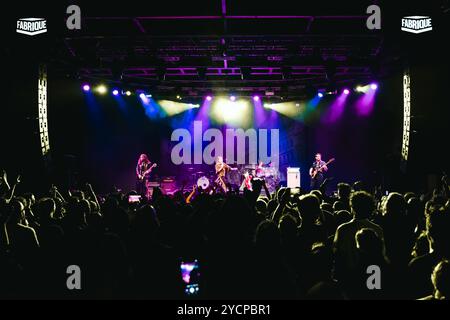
[(316, 171), (142, 176)]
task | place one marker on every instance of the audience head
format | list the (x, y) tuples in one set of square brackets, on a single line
[(344, 190), (17, 212), (267, 236), (342, 216), (438, 226), (261, 206), (362, 204), (338, 205), (395, 206), (318, 194), (288, 226), (45, 209), (309, 208)]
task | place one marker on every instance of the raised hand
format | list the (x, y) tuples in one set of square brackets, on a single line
[(89, 187)]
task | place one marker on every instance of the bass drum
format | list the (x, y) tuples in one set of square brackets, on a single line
[(234, 177), (203, 182), (272, 183)]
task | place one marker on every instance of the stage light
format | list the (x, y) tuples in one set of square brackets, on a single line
[(172, 108), (128, 93), (208, 98), (86, 88), (101, 89), (256, 98), (346, 91), (142, 96), (320, 94), (148, 95), (359, 89), (232, 98), (235, 113), (293, 110), (115, 92), (373, 86), (178, 97)]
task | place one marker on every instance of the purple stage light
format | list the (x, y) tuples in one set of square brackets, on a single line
[(255, 98), (115, 92), (320, 94), (86, 87), (373, 86), (208, 98), (346, 91)]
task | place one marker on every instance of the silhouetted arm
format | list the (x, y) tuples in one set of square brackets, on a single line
[(4, 178), (279, 210), (445, 186), (189, 198), (266, 190), (56, 194), (4, 238), (92, 194), (13, 189)]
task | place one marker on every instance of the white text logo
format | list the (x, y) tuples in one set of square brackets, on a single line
[(31, 26), (416, 24)]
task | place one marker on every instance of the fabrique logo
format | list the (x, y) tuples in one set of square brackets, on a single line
[(416, 24), (31, 26)]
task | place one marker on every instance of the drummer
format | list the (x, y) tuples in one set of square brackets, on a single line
[(259, 171)]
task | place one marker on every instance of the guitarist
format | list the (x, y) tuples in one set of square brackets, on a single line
[(221, 169), (317, 171), (143, 169)]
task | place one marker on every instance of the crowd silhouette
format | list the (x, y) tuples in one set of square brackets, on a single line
[(308, 245)]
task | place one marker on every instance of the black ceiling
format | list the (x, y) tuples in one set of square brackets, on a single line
[(195, 47)]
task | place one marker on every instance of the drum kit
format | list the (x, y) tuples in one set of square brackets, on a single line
[(207, 180), (270, 175), (200, 178)]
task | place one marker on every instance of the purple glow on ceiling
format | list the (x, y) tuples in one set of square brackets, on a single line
[(336, 110), (365, 104)]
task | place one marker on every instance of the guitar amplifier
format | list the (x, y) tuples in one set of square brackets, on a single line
[(150, 185), (168, 185), (293, 177)]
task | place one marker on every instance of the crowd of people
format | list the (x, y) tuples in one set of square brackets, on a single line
[(285, 245)]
